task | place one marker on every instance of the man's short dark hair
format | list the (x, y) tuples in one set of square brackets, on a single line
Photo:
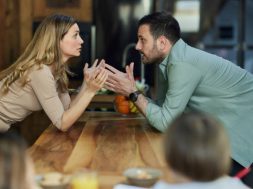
[(162, 23)]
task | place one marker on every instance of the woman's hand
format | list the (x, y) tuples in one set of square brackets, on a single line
[(95, 77), (88, 72)]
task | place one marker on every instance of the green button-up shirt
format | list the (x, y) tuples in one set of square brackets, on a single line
[(191, 79)]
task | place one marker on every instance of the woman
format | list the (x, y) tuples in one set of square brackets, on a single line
[(197, 153), (16, 166), (38, 79)]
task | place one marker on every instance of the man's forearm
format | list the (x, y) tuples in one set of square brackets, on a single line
[(142, 104)]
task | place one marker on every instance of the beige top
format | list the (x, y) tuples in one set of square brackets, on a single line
[(39, 93)]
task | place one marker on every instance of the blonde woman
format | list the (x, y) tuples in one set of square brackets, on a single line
[(38, 79)]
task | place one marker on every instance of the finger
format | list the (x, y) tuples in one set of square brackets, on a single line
[(110, 72), (104, 78), (132, 67), (110, 68), (95, 73), (111, 81), (108, 87), (129, 72), (114, 77), (86, 67), (102, 64), (99, 77), (95, 63), (130, 75)]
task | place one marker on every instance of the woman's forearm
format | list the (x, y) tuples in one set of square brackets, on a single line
[(76, 108), (93, 82), (78, 96)]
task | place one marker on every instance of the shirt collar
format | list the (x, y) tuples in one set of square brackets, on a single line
[(168, 59), (176, 49)]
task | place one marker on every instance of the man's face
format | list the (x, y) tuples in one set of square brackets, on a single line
[(148, 46)]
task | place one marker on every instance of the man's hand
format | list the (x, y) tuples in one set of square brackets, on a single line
[(120, 82)]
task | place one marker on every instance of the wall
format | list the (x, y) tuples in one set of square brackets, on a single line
[(9, 30), (17, 19), (1, 33), (37, 10)]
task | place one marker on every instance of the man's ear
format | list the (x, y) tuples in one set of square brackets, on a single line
[(163, 42)]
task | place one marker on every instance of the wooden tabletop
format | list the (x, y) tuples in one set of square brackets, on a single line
[(108, 143)]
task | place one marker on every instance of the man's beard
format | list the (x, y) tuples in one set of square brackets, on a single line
[(157, 56), (154, 60)]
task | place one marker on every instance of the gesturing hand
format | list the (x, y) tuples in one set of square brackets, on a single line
[(88, 72), (95, 76), (120, 82)]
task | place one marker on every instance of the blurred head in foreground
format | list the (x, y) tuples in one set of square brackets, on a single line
[(16, 169), (197, 148)]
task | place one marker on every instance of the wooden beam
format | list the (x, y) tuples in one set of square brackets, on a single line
[(26, 20), (2, 33), (9, 38), (83, 12)]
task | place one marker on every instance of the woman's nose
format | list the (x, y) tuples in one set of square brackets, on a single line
[(81, 40)]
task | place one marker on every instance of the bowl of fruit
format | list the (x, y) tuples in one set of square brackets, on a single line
[(124, 106)]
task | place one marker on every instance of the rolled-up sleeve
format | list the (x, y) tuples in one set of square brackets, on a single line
[(182, 81), (44, 87)]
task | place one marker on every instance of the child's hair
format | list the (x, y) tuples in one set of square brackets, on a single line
[(197, 147)]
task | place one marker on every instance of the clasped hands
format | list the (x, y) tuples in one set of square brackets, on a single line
[(104, 75)]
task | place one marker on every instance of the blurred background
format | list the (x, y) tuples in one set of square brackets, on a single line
[(109, 27)]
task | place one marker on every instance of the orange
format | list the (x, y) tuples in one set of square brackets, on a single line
[(119, 98), (123, 107)]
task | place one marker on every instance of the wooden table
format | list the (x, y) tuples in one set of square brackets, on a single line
[(106, 142)]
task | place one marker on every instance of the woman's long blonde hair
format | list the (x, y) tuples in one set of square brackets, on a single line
[(43, 49)]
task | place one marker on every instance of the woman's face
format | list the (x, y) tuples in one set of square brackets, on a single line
[(71, 43)]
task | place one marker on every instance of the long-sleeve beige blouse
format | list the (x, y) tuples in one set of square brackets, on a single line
[(39, 93)]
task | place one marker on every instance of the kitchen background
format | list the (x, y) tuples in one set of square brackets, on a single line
[(109, 27)]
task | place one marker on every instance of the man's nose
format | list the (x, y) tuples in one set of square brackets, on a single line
[(137, 46)]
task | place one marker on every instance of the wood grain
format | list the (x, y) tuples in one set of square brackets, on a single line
[(108, 143), (51, 151)]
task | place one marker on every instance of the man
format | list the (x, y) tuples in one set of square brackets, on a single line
[(190, 79)]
